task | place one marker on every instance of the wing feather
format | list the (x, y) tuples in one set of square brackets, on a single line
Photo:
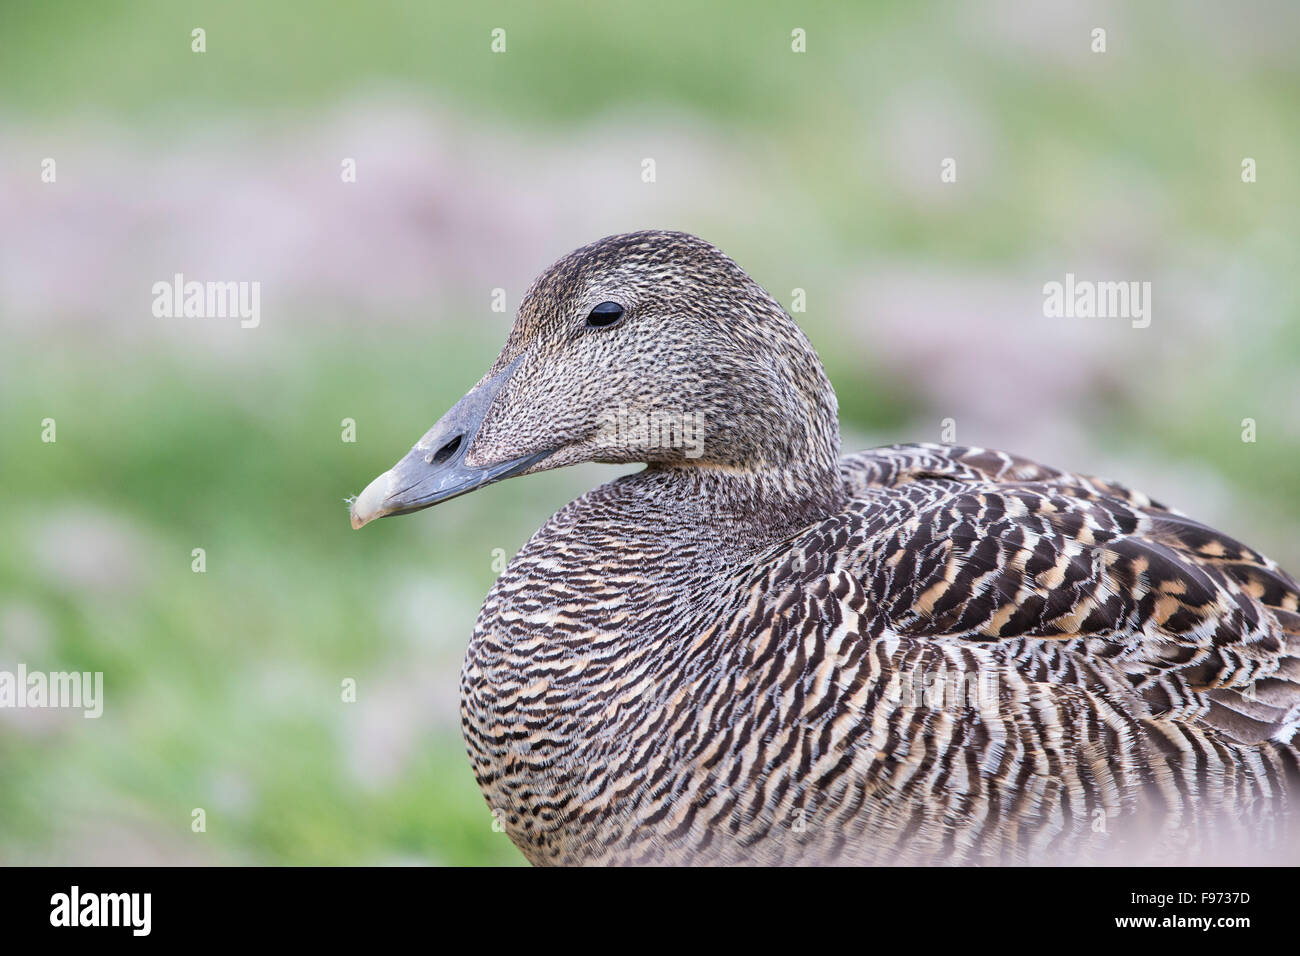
[(1203, 627)]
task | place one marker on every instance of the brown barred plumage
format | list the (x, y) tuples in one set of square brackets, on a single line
[(770, 654)]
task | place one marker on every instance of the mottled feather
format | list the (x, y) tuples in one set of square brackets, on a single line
[(915, 654)]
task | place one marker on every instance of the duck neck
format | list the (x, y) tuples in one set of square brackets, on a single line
[(741, 509)]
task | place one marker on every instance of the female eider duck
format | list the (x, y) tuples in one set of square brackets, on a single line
[(758, 651)]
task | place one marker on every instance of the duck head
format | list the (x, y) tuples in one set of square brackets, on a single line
[(650, 347)]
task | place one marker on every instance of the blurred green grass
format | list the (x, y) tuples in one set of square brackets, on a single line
[(289, 606), (1146, 111)]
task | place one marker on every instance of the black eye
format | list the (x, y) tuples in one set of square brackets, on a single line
[(605, 314)]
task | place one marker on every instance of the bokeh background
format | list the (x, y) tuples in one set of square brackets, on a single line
[(817, 171)]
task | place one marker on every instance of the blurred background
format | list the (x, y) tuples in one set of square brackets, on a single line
[(817, 171)]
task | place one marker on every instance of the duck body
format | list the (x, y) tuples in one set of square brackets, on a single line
[(976, 659), (756, 651)]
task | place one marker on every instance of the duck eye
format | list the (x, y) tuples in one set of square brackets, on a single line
[(605, 314)]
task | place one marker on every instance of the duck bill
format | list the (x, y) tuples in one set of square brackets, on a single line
[(435, 470)]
